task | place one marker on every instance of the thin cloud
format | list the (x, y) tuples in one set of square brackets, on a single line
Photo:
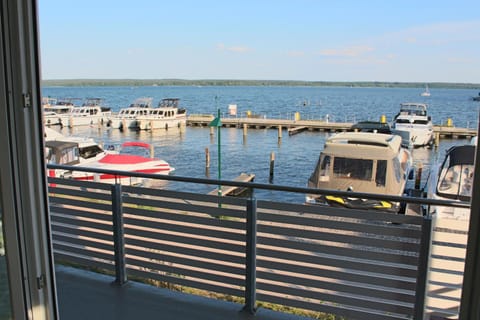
[(236, 49), (354, 51), (296, 53), (440, 33)]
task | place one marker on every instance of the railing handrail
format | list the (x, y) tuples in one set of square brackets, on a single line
[(264, 186)]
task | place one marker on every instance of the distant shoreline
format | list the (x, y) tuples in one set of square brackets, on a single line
[(206, 83)]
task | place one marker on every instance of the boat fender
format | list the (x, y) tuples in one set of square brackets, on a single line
[(383, 205), (335, 199)]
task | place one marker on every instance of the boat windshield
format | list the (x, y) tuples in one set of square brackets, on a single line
[(456, 181), (360, 169)]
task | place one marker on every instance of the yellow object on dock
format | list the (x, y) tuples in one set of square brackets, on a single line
[(383, 118), (449, 122), (297, 116)]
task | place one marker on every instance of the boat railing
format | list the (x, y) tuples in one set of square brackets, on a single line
[(352, 263)]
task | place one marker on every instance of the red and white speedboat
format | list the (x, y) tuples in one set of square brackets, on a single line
[(123, 161), (71, 151)]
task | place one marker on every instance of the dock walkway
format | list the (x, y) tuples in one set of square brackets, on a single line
[(443, 131)]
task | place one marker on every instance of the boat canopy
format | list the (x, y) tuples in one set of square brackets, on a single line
[(460, 155)]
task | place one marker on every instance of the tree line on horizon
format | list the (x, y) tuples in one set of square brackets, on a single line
[(226, 82)]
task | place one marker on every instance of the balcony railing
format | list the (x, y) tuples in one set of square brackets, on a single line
[(353, 263)]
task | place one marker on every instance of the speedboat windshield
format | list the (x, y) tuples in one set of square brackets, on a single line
[(456, 175)]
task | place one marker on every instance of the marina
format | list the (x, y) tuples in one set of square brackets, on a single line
[(272, 121)]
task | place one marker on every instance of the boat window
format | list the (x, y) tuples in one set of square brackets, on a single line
[(397, 168), (381, 174), (402, 121), (90, 151), (360, 169), (420, 121)]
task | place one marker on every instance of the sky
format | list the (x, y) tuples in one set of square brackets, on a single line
[(308, 40)]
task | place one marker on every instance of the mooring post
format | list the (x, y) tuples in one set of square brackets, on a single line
[(245, 133), (418, 177), (279, 133), (207, 158), (272, 165)]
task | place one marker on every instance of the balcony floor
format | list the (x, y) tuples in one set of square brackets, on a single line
[(88, 295)]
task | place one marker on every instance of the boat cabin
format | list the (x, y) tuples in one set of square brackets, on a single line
[(61, 152), (362, 162)]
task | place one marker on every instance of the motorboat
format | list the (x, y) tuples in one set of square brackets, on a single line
[(90, 113), (168, 114), (425, 93), (453, 180), (70, 152), (476, 98), (127, 117), (414, 125), (86, 149), (363, 162), (58, 112)]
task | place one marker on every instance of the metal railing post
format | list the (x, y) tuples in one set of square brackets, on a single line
[(118, 235), (251, 256), (423, 264)]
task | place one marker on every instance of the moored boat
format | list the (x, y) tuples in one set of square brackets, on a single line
[(168, 114), (87, 153), (453, 180), (414, 125), (90, 113), (58, 112), (127, 117), (362, 162)]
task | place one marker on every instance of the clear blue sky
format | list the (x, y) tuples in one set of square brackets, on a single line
[(313, 40)]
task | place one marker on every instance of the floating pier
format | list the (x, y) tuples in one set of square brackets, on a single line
[(234, 191), (296, 126)]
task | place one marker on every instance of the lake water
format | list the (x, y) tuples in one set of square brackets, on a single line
[(295, 156)]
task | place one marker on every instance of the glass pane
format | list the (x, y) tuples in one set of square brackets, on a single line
[(5, 308)]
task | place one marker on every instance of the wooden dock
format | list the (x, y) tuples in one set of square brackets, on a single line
[(234, 191), (296, 126)]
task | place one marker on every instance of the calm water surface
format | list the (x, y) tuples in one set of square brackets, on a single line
[(295, 156)]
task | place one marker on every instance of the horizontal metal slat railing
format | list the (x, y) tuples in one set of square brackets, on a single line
[(353, 263)]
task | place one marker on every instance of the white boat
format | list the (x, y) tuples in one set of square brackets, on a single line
[(70, 152), (58, 112), (453, 180), (166, 115), (362, 162), (425, 93), (414, 125), (90, 113), (127, 117)]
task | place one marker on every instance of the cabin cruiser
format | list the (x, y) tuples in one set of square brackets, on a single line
[(453, 180), (362, 162), (58, 112), (166, 115), (90, 113), (127, 117), (414, 125)]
